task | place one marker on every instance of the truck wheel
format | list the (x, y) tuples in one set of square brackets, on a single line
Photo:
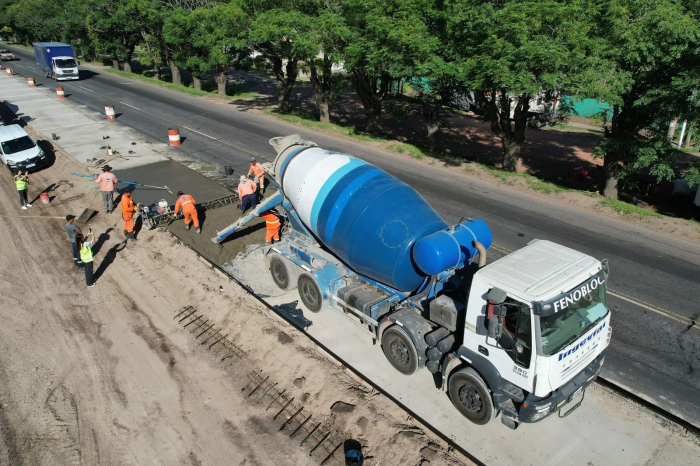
[(400, 350), (309, 293), (471, 396), (284, 273)]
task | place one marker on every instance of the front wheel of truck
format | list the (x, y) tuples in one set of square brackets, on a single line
[(471, 396)]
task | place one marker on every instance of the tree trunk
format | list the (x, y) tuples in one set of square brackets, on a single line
[(431, 111), (610, 176), (371, 96), (322, 87), (511, 154), (286, 76), (672, 129), (220, 79), (115, 63), (156, 71), (197, 82), (687, 137), (127, 62), (175, 72)]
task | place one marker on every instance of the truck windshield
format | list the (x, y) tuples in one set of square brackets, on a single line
[(566, 326), (17, 145), (65, 63)]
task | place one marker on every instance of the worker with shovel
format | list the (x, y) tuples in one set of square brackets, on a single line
[(186, 202), (128, 210)]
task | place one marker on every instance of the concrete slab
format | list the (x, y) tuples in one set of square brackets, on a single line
[(80, 129), (175, 176)]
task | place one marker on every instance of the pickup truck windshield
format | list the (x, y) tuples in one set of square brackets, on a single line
[(566, 326), (65, 63), (17, 145)]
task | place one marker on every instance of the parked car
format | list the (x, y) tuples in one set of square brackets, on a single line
[(19, 151), (7, 55)]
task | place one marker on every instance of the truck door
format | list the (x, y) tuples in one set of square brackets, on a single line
[(513, 351)]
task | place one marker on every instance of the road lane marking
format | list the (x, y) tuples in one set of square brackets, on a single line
[(687, 321), (180, 125)]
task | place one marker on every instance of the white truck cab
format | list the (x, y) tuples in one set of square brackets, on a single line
[(536, 327)]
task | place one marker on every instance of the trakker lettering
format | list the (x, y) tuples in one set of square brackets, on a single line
[(582, 342)]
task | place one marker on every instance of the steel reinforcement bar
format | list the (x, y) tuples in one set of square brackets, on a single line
[(260, 389)]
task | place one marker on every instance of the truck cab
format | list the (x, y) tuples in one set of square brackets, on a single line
[(64, 68), (536, 328)]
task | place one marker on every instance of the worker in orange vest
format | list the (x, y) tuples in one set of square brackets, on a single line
[(272, 222), (246, 193), (128, 209), (256, 168), (188, 210)]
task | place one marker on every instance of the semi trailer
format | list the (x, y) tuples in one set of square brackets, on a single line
[(56, 60), (523, 336)]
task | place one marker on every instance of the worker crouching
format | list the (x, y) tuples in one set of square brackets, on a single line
[(246, 193), (128, 210), (189, 211), (273, 224)]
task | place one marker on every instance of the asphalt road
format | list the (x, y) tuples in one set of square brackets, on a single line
[(654, 283)]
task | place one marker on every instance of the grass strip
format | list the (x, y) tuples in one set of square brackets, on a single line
[(183, 89)]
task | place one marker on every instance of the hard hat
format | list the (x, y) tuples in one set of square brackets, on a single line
[(180, 193), (253, 160)]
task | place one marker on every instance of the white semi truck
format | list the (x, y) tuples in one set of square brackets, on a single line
[(523, 336)]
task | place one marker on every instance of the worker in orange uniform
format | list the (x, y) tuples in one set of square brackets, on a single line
[(246, 193), (128, 210), (257, 169), (272, 222), (188, 210)]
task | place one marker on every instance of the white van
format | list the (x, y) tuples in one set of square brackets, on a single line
[(19, 151)]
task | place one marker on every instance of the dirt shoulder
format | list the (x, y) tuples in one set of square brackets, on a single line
[(105, 375)]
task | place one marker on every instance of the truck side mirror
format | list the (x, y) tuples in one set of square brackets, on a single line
[(496, 296), (495, 328)]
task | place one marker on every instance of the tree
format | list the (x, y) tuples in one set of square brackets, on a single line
[(388, 39), (221, 32), (331, 34), (115, 26), (650, 54), (36, 20), (283, 35), (512, 51)]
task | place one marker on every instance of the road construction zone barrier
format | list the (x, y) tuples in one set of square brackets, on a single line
[(174, 136), (60, 93), (9, 71), (31, 82), (109, 111)]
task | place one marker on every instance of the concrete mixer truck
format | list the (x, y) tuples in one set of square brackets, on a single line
[(523, 336)]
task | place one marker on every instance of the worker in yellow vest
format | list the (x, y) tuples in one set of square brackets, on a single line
[(22, 181), (84, 245)]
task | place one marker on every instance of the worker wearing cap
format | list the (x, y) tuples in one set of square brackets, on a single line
[(22, 181), (246, 193), (257, 169), (186, 202), (272, 222), (106, 181), (128, 210)]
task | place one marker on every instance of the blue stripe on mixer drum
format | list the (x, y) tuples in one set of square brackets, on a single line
[(330, 183), (341, 201)]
